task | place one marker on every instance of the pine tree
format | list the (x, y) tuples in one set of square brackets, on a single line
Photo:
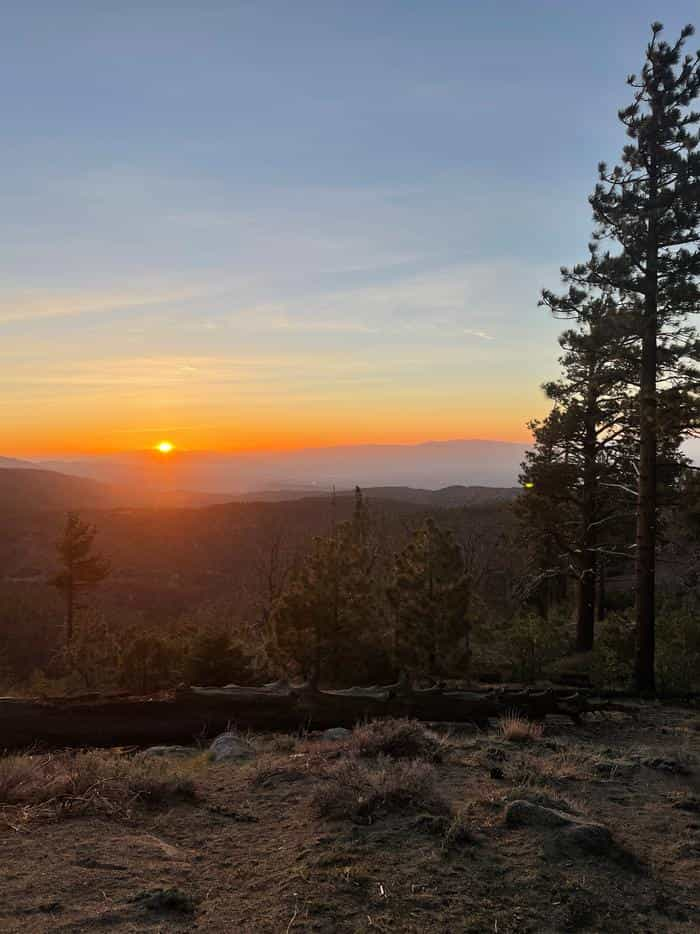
[(432, 597), (329, 617), (581, 460), (649, 207), (82, 569)]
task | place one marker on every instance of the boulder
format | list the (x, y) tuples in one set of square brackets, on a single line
[(571, 833), (229, 747)]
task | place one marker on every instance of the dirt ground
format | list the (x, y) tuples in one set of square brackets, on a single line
[(252, 854)]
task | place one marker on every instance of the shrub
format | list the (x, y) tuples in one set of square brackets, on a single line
[(355, 790), (398, 739)]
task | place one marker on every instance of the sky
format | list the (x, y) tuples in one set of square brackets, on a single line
[(269, 225)]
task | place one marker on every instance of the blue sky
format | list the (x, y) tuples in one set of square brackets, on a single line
[(260, 222)]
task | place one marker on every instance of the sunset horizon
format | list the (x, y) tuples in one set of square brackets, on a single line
[(359, 274)]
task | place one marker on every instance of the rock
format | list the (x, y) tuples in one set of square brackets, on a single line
[(526, 813), (496, 773), (229, 747), (336, 734), (572, 833), (181, 752)]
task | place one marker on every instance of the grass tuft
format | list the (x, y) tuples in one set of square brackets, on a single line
[(517, 729)]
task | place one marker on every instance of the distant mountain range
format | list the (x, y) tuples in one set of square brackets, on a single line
[(433, 465), (31, 489)]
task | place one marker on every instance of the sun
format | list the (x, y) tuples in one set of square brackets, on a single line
[(165, 447)]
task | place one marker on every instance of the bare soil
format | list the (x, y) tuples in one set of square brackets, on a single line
[(252, 854)]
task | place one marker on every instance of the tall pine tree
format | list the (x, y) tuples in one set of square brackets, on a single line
[(648, 207)]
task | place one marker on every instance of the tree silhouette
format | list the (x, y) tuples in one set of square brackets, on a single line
[(577, 477), (648, 207), (432, 595), (330, 610), (82, 569)]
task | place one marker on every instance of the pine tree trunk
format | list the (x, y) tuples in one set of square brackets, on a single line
[(600, 596), (70, 610), (586, 583), (646, 514), (646, 502), (585, 621)]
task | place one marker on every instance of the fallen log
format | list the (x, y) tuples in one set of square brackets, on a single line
[(188, 714)]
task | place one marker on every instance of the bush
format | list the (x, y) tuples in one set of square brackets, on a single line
[(88, 783), (357, 791), (398, 739)]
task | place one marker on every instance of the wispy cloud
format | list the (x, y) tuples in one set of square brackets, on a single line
[(32, 305)]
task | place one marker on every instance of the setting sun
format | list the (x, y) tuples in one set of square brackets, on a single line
[(165, 447)]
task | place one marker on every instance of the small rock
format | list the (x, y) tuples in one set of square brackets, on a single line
[(182, 752), (228, 747), (336, 734)]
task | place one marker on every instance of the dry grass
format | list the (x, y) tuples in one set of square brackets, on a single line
[(359, 791), (517, 729), (398, 739), (94, 782)]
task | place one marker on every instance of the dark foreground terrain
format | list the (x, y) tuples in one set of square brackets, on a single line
[(391, 828)]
